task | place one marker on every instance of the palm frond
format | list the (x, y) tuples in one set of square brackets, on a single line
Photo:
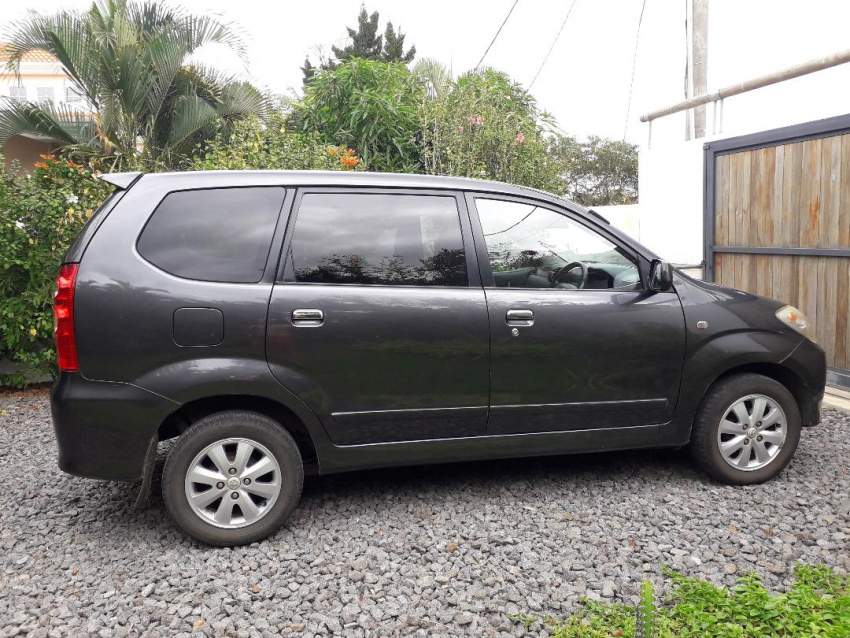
[(201, 30), (240, 100), (44, 119), (67, 37), (191, 115), (165, 57), (434, 74)]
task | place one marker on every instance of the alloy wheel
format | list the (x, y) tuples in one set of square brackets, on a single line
[(233, 483), (752, 431)]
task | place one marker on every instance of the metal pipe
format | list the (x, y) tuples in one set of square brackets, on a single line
[(756, 83)]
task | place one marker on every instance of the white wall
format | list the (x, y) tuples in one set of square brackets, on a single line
[(625, 217), (670, 187)]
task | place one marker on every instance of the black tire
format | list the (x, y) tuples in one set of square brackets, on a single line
[(224, 425), (704, 437)]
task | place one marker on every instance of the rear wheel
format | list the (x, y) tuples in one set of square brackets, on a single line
[(233, 478), (746, 430)]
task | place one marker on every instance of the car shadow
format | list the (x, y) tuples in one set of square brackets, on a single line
[(499, 474), (112, 505)]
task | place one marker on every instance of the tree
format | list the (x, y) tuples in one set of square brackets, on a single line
[(487, 126), (394, 46), (130, 61), (597, 172), (370, 106), (308, 70), (365, 41)]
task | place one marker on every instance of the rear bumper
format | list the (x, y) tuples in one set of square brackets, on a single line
[(808, 362), (102, 428)]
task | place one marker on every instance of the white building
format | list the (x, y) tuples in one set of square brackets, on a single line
[(41, 79)]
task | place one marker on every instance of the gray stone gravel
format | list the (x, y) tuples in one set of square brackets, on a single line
[(447, 550)]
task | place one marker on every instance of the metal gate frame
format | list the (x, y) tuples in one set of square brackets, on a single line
[(796, 133)]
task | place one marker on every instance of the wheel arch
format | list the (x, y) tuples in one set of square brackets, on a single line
[(776, 371), (190, 412)]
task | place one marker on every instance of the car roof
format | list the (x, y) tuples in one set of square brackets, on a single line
[(354, 178)]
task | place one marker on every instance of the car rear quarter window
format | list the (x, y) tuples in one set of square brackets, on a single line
[(216, 234), (376, 238)]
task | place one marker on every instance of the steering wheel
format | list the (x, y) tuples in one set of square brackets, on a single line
[(558, 274)]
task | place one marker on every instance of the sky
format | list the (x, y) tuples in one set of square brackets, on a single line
[(585, 83)]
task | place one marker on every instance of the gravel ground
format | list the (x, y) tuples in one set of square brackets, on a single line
[(444, 550)]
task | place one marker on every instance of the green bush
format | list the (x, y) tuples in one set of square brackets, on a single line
[(487, 126), (817, 605), (270, 144), (370, 106), (40, 215)]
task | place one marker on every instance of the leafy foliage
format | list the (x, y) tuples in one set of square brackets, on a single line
[(599, 171), (489, 127), (258, 144), (39, 217), (370, 106), (817, 605), (129, 60)]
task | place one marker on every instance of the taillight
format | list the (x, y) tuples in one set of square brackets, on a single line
[(63, 318)]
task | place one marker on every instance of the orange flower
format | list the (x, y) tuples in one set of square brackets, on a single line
[(46, 156), (333, 151), (40, 165), (349, 161)]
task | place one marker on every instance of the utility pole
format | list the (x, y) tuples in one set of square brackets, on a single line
[(696, 69)]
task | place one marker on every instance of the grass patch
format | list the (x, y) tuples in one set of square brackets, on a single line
[(816, 606)]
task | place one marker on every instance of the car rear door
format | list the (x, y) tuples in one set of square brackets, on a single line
[(572, 346), (378, 320)]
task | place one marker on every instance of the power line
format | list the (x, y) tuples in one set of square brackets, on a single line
[(498, 31), (634, 66), (551, 48)]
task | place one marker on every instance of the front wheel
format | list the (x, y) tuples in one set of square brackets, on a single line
[(746, 430), (232, 478)]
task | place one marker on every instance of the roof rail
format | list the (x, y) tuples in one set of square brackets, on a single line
[(121, 181)]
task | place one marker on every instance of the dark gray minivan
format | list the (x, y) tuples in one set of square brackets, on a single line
[(279, 323)]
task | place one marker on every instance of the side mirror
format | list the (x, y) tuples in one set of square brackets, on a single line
[(660, 276)]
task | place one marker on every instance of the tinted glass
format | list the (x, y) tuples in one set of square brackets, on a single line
[(534, 247), (351, 238), (217, 234)]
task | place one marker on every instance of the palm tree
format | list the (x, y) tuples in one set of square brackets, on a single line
[(148, 105), (434, 74)]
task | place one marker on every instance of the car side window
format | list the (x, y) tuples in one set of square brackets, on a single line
[(375, 238), (533, 247), (214, 234)]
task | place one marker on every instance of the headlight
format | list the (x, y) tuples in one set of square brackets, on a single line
[(796, 320)]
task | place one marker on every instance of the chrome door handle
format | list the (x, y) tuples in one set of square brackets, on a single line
[(307, 317), (519, 317)]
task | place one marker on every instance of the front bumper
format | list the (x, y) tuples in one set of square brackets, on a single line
[(103, 429)]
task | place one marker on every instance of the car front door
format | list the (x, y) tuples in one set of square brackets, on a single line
[(576, 341), (378, 320)]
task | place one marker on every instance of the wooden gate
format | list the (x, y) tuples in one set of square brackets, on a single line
[(777, 223)]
